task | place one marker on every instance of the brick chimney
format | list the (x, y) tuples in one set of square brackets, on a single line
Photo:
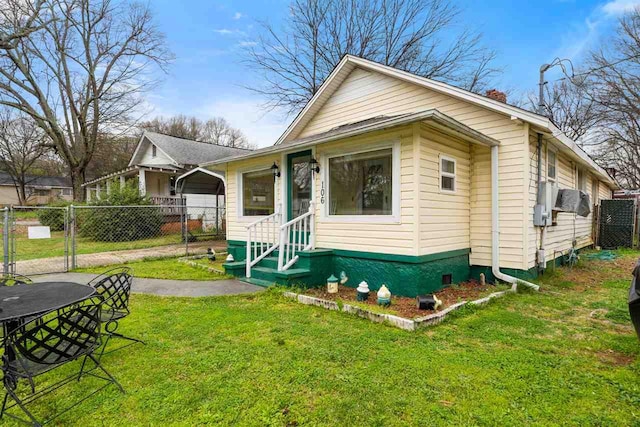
[(497, 95)]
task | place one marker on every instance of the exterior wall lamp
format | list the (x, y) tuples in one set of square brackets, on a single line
[(275, 170), (314, 165)]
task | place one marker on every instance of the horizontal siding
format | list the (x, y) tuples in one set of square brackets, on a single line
[(382, 237), (236, 226), (569, 226), (444, 217), (365, 94)]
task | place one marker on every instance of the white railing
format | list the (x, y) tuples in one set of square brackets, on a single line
[(296, 236), (262, 239)]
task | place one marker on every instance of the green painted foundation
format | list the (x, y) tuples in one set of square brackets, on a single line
[(403, 274)]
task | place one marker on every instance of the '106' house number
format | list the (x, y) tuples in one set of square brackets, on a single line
[(322, 193)]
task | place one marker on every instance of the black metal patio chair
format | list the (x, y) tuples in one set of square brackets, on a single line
[(46, 343), (13, 279), (115, 287)]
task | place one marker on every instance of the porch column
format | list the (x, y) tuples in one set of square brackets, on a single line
[(98, 190), (142, 183), (88, 190), (108, 187), (122, 181)]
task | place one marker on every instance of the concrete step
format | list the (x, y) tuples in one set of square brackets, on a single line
[(257, 282), (269, 262)]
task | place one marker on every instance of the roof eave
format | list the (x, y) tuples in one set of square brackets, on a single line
[(433, 117)]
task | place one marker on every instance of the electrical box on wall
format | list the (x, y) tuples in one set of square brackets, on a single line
[(542, 212)]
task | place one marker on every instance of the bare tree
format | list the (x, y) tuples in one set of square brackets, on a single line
[(570, 106), (615, 71), (214, 131), (21, 146), (418, 36), (80, 72)]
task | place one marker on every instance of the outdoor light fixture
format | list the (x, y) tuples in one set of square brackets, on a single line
[(314, 165), (332, 284), (276, 170)]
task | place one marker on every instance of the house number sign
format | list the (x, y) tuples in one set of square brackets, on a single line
[(322, 193)]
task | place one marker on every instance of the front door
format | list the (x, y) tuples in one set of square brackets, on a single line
[(298, 184)]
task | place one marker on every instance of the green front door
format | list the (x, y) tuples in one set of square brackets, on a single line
[(298, 184)]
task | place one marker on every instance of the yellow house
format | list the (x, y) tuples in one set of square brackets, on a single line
[(397, 179)]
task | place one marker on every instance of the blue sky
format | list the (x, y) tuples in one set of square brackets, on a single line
[(208, 78)]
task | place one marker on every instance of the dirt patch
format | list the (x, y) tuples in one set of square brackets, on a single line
[(611, 357), (404, 306)]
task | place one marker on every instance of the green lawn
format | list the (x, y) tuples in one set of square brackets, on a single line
[(565, 356), (46, 248), (165, 268)]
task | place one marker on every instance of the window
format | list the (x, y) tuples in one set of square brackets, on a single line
[(447, 174), (258, 196), (582, 180), (66, 191), (362, 183), (552, 165), (154, 151)]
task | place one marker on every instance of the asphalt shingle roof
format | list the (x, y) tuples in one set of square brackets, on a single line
[(38, 181), (188, 152)]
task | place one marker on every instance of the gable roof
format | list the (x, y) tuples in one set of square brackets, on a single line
[(38, 181), (349, 63), (183, 151)]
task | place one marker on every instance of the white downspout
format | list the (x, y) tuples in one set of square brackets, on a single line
[(495, 228)]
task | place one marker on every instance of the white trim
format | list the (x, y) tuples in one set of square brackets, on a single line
[(240, 199), (394, 218), (135, 152), (442, 173), (432, 117), (551, 149)]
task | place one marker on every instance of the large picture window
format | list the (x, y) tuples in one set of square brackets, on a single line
[(361, 184), (258, 193)]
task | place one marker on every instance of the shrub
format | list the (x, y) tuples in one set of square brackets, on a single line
[(113, 223), (53, 218)]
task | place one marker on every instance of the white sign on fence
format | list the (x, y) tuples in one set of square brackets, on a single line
[(39, 232)]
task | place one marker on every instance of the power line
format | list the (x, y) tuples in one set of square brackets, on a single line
[(613, 64)]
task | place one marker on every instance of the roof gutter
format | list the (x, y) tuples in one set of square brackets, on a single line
[(434, 117), (495, 228)]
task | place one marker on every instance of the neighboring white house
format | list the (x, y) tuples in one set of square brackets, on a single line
[(156, 163)]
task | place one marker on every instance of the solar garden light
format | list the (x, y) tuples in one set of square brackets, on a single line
[(230, 258), (362, 291), (332, 284), (384, 296)]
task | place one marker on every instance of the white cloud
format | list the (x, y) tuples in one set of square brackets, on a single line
[(229, 32), (238, 15), (261, 127), (247, 43), (584, 35), (619, 7)]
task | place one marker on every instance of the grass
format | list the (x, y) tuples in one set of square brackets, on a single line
[(47, 248), (564, 356), (164, 268)]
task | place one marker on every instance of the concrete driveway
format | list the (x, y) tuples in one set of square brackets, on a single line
[(178, 288)]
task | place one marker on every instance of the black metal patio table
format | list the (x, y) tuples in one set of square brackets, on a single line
[(21, 301)]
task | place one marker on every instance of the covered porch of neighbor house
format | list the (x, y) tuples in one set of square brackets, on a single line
[(156, 182)]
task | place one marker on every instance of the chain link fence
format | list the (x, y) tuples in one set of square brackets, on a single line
[(87, 236)]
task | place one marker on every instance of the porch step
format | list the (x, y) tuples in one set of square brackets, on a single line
[(272, 275), (269, 262)]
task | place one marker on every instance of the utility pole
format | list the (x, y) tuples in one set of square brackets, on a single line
[(543, 69)]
